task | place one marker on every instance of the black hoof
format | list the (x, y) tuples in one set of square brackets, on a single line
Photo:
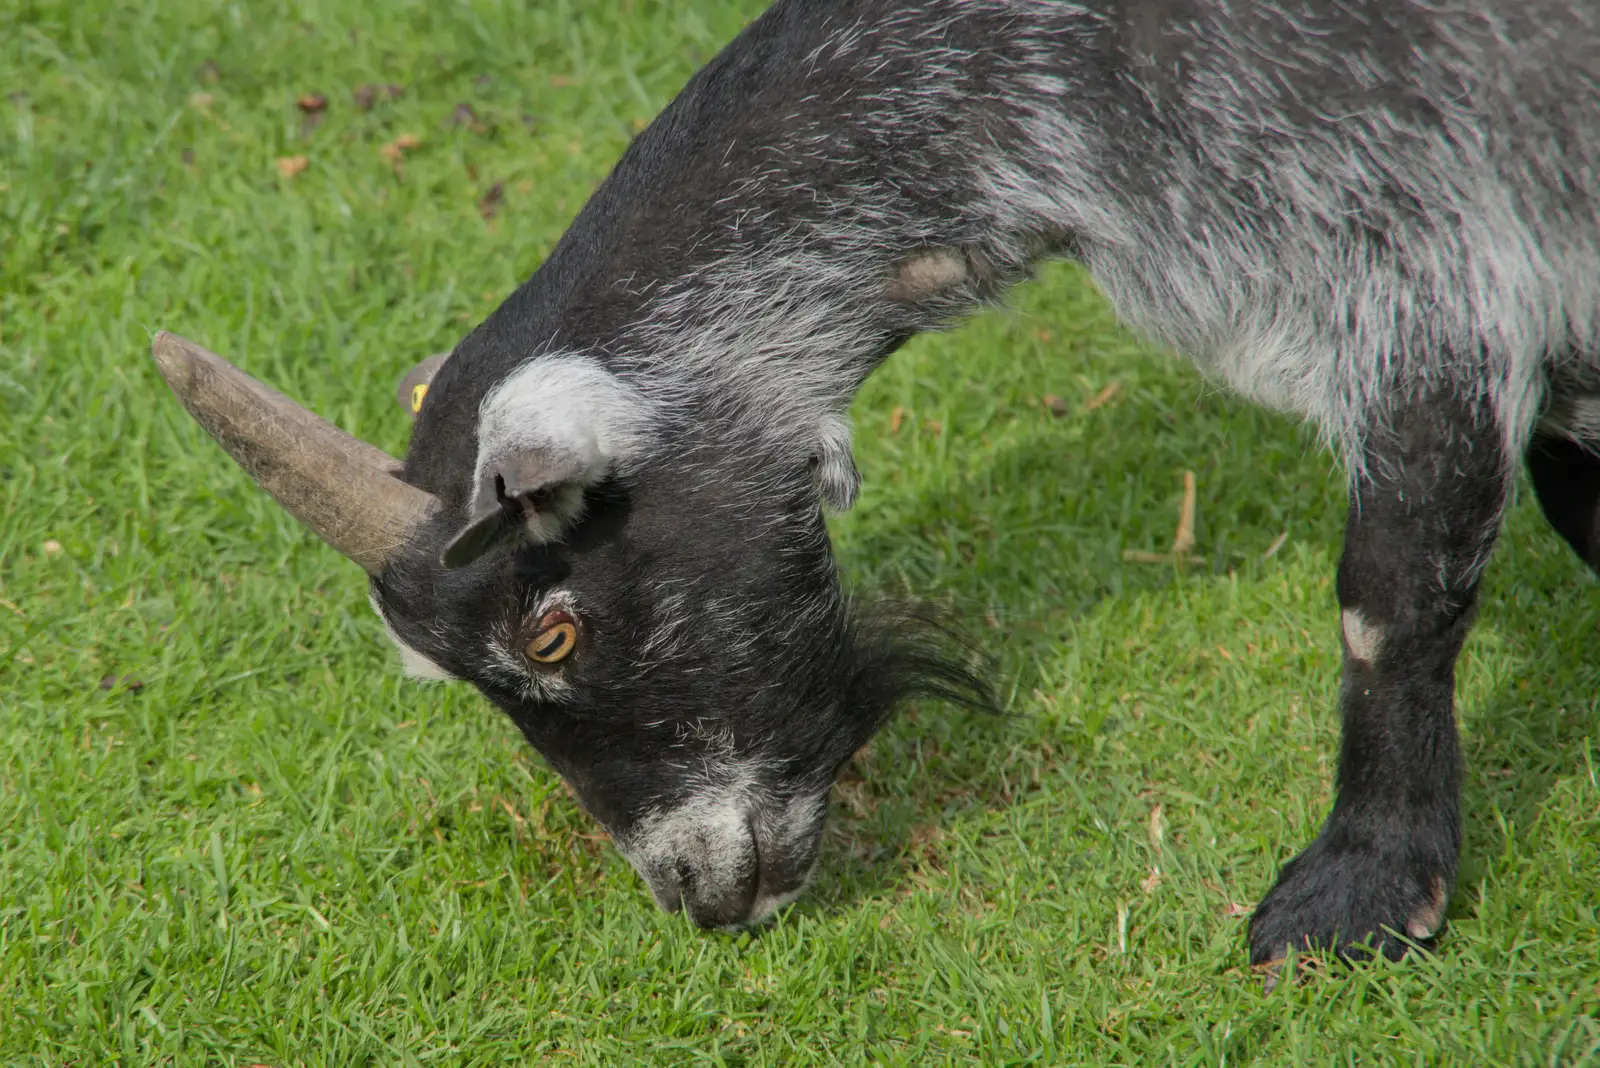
[(1356, 901)]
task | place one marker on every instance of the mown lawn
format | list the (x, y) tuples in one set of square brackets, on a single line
[(231, 833)]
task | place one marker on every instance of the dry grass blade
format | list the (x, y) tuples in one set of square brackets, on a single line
[(1183, 541)]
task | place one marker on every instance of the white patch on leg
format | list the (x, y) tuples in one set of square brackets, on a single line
[(1426, 920), (1363, 639), (414, 664)]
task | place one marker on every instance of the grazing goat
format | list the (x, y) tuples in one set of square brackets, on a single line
[(1379, 214)]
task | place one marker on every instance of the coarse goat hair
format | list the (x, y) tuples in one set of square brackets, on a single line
[(1379, 214)]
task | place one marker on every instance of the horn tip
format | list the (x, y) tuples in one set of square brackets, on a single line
[(170, 352), (180, 360)]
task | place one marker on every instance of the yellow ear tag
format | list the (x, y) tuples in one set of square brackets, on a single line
[(418, 391)]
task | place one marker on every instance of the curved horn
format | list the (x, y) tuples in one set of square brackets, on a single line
[(342, 488)]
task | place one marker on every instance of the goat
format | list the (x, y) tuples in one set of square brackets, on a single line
[(1378, 214)]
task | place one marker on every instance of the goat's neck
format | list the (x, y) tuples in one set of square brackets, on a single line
[(834, 182)]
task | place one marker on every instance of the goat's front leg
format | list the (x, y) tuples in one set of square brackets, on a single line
[(1423, 517)]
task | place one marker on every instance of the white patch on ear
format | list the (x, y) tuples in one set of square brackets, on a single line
[(414, 664), (572, 410), (834, 465)]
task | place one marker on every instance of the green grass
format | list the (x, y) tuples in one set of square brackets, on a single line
[(277, 851)]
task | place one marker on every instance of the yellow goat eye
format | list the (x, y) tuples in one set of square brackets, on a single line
[(553, 643), (418, 391)]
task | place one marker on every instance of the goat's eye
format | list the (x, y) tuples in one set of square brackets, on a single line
[(555, 639)]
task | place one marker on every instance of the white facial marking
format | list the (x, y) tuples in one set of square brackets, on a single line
[(572, 410), (1360, 637), (1425, 921), (925, 274), (412, 662), (709, 832), (713, 835)]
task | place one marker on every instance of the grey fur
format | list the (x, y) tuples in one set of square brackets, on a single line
[(1330, 209)]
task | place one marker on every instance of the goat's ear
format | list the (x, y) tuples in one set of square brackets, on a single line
[(414, 386), (528, 494), (553, 428)]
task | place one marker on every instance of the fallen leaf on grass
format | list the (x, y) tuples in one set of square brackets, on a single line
[(312, 106), (292, 167), (367, 94), (395, 151), (1054, 405), (896, 417), (489, 203), (127, 682)]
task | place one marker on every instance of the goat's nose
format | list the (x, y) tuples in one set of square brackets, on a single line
[(723, 904)]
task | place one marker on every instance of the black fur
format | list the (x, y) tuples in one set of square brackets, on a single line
[(1566, 479)]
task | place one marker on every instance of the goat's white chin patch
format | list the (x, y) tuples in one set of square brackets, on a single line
[(413, 663)]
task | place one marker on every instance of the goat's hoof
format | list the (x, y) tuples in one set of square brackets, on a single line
[(1357, 902)]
